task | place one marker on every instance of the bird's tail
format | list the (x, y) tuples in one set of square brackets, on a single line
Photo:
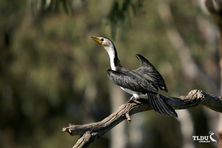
[(159, 104)]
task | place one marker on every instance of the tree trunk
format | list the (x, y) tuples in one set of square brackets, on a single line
[(118, 134)]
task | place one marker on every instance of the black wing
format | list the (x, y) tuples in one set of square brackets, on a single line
[(132, 81), (149, 72)]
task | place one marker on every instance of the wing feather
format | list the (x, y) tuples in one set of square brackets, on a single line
[(130, 80), (149, 72)]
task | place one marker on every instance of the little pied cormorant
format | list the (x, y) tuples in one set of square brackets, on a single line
[(142, 82)]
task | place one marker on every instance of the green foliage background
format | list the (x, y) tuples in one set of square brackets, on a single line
[(49, 66)]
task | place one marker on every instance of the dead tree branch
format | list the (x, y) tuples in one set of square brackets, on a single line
[(89, 132)]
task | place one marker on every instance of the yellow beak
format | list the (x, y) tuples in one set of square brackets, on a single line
[(96, 39)]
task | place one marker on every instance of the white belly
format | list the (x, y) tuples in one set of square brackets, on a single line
[(134, 93)]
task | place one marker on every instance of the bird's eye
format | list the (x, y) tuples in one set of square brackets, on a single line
[(102, 39)]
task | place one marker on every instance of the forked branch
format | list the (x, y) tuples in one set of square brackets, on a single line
[(89, 132)]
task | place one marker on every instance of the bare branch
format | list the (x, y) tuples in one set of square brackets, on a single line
[(89, 132)]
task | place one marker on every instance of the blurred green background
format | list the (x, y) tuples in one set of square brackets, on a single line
[(52, 74)]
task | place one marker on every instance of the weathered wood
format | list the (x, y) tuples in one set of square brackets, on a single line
[(89, 132)]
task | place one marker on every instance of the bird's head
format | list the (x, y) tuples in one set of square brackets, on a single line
[(105, 42)]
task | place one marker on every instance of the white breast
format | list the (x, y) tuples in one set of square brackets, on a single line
[(135, 94)]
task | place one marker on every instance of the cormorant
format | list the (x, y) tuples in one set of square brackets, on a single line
[(142, 82), (213, 137)]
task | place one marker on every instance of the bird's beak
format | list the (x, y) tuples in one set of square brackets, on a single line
[(96, 39)]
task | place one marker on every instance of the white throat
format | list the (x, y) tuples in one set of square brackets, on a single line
[(111, 52)]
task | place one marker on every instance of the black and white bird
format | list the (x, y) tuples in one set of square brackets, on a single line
[(213, 137), (142, 82)]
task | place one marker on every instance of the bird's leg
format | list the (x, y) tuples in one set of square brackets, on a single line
[(133, 99)]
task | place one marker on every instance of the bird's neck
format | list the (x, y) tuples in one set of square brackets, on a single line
[(113, 57)]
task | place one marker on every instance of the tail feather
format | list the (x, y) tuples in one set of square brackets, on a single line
[(159, 104), (155, 105), (161, 107)]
